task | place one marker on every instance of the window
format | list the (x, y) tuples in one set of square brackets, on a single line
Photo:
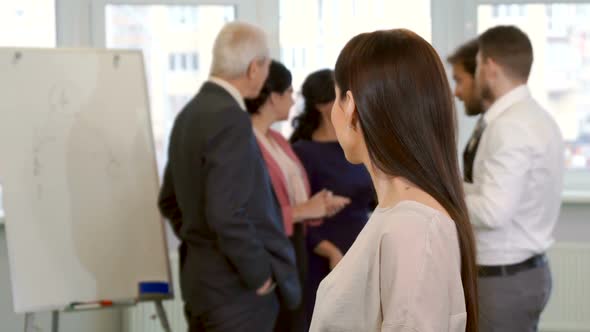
[(558, 20), (195, 61), (172, 62), (177, 102), (183, 62), (172, 39), (503, 11), (329, 24), (26, 23), (508, 10), (355, 7), (560, 78), (183, 65), (183, 15)]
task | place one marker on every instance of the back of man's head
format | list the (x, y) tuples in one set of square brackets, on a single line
[(465, 56), (236, 46), (510, 48)]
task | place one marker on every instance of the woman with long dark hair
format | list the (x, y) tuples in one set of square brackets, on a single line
[(317, 147), (412, 268), (318, 95), (288, 177)]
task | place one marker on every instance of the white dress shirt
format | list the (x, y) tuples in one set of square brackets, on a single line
[(515, 197), (230, 89), (402, 274)]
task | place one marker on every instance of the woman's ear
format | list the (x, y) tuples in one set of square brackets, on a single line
[(351, 111)]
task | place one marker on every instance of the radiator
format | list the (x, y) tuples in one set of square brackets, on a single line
[(569, 306), (568, 309)]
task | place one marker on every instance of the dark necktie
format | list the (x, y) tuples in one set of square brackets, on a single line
[(471, 150)]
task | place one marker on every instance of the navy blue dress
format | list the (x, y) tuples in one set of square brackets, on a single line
[(327, 168)]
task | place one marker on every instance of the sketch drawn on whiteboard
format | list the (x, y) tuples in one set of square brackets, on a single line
[(64, 113), (49, 129)]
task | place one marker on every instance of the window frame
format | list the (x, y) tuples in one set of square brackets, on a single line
[(245, 10)]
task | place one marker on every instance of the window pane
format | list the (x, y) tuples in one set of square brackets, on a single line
[(313, 32), (176, 42), (195, 61), (171, 62), (560, 77), (27, 23), (183, 61)]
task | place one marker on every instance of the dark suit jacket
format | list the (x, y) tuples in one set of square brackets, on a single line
[(217, 196)]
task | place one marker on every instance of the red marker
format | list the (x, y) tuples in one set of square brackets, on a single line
[(91, 305), (106, 303)]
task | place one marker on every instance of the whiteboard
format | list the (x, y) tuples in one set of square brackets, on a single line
[(79, 178)]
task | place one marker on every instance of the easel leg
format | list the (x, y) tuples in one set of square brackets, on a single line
[(30, 322), (162, 316), (55, 321)]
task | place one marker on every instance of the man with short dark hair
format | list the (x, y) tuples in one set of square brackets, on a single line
[(515, 195), (464, 65)]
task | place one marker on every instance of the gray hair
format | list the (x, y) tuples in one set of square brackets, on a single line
[(236, 46)]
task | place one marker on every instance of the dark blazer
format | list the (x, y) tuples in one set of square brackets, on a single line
[(217, 196)]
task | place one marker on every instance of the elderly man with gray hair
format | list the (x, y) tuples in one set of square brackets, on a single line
[(217, 196)]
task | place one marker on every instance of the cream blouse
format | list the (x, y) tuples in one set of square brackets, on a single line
[(402, 274)]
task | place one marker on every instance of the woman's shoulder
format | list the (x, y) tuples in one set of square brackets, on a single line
[(280, 139), (276, 135), (304, 147), (302, 143), (414, 217), (312, 146), (283, 143)]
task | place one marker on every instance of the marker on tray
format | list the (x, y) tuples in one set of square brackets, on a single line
[(90, 305)]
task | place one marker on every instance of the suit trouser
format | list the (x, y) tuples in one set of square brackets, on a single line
[(248, 313), (295, 320), (514, 303)]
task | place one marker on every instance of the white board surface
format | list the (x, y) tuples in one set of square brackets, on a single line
[(79, 179)]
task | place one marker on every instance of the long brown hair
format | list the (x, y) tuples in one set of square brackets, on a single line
[(318, 88), (405, 110)]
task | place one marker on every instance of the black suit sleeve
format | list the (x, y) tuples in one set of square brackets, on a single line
[(230, 160), (168, 204)]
